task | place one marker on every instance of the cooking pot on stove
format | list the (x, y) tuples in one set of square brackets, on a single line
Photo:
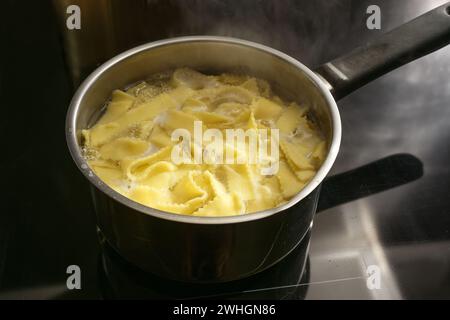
[(213, 249)]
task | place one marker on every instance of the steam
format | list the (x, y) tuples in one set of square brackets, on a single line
[(303, 29)]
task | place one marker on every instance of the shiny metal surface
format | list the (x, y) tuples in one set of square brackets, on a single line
[(199, 252)]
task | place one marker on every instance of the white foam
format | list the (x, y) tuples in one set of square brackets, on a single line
[(160, 119), (150, 150)]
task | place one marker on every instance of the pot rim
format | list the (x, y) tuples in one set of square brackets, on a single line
[(75, 150)]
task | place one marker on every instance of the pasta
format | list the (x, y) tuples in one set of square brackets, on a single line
[(133, 144)]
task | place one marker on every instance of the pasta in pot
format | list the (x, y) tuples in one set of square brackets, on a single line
[(132, 146)]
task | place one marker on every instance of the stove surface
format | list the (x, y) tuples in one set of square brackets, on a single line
[(383, 226)]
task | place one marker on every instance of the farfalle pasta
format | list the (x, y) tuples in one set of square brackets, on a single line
[(132, 145)]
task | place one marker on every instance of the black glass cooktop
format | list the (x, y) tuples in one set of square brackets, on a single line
[(382, 230)]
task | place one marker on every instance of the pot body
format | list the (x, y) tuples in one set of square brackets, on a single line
[(202, 252), (203, 249)]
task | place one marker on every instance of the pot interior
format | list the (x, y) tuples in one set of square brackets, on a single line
[(211, 55), (286, 76)]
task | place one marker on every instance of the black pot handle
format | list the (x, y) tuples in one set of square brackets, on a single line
[(410, 41)]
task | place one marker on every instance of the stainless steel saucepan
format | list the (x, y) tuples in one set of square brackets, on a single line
[(207, 249)]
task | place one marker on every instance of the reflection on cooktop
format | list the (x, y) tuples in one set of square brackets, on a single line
[(375, 177), (288, 279)]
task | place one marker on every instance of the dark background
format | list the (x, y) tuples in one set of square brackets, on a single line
[(47, 220)]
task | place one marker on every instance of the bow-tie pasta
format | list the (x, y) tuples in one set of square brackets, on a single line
[(132, 144)]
